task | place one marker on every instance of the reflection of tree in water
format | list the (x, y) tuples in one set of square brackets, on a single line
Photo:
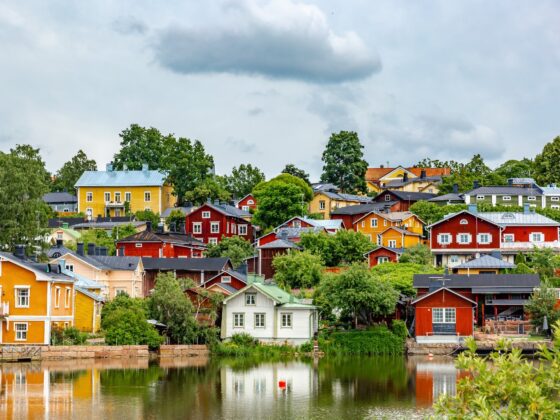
[(61, 377)]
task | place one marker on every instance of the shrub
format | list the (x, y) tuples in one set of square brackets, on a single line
[(376, 341), (243, 339), (399, 329), (68, 336), (306, 347)]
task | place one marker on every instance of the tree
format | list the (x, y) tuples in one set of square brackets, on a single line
[(139, 146), (211, 188), (344, 247), (169, 305), (280, 199), (547, 169), (400, 275), (119, 232), (430, 212), (298, 270), (542, 303), (295, 171), (23, 182), (523, 168), (543, 262), (419, 254), (147, 216), (464, 176), (71, 171), (175, 220), (235, 248), (243, 179), (124, 321), (344, 165), (357, 293), (100, 238)]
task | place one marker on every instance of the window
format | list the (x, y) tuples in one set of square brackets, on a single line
[(127, 196), (120, 291), (464, 238), (89, 197), (70, 267), (67, 297), (117, 197), (245, 208), (107, 196), (444, 238), (286, 320), (392, 243), (226, 279), (21, 331), (206, 215), (464, 222), (214, 227), (22, 296), (484, 238), (374, 223), (555, 206), (238, 320), (322, 205), (381, 260), (250, 202), (59, 235), (443, 315), (138, 245), (363, 224), (480, 197), (296, 223), (537, 237), (509, 237), (213, 241), (531, 198), (453, 259), (378, 239), (57, 297), (260, 320), (554, 198), (387, 197), (506, 198), (384, 222), (250, 299), (197, 227), (243, 229), (147, 196)]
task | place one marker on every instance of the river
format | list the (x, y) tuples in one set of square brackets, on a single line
[(349, 388)]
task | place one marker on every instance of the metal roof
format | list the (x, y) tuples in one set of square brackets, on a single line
[(362, 208), (187, 264), (121, 179), (92, 295), (106, 225), (406, 195), (448, 197), (346, 197), (398, 251), (327, 224), (462, 281), (517, 218), (279, 243), (185, 210), (116, 263), (551, 190), (167, 237), (505, 190), (59, 197), (486, 261)]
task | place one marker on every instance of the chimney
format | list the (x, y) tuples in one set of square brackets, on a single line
[(455, 188), (148, 226), (381, 166), (476, 185), (80, 248), (216, 202), (103, 251), (159, 228), (472, 208), (526, 208), (145, 167), (405, 177), (19, 251), (59, 243), (109, 167), (91, 248), (510, 181), (423, 173), (120, 251)]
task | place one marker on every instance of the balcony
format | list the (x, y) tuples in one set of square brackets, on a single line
[(506, 302), (114, 204), (530, 245), (4, 309)]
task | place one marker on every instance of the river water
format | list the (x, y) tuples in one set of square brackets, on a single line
[(350, 388)]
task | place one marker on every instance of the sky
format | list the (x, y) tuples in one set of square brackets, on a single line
[(267, 82)]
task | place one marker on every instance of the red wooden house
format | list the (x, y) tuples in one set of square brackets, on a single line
[(232, 278), (160, 245), (211, 222), (382, 255), (404, 199), (267, 252), (247, 203)]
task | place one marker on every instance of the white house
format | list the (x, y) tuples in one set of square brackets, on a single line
[(269, 314)]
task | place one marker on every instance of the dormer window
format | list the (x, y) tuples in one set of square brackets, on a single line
[(206, 215)]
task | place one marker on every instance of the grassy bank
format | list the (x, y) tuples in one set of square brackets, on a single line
[(243, 345)]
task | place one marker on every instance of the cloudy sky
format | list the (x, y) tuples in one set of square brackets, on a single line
[(266, 82)]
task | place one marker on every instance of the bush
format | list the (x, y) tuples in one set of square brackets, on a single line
[(399, 329), (243, 339), (70, 336), (306, 347), (376, 341)]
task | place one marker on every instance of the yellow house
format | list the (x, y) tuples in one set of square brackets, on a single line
[(111, 193), (414, 179), (485, 264), (34, 298), (324, 202), (375, 223), (87, 315), (395, 237)]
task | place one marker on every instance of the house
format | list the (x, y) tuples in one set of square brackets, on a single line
[(380, 178), (383, 254), (461, 236), (324, 202), (550, 197), (160, 245), (449, 306), (374, 224), (197, 269), (232, 278), (114, 193), (452, 198), (62, 234), (518, 192), (61, 202), (350, 214), (89, 303), (404, 199), (115, 274), (213, 221), (267, 252), (485, 264), (34, 298), (247, 203), (269, 314)]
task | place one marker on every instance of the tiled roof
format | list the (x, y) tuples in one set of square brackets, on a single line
[(187, 264), (167, 237), (448, 197), (518, 218), (362, 208), (486, 261), (279, 244), (59, 197), (504, 190), (121, 179)]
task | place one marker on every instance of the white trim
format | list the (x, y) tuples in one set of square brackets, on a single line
[(26, 330), (442, 289), (16, 297), (439, 235), (478, 236), (39, 318), (458, 236)]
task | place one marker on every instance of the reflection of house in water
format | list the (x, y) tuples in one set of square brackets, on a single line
[(435, 378)]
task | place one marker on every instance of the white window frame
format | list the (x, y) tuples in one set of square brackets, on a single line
[(447, 235), (138, 245), (206, 215), (480, 235), (463, 222), (509, 235), (531, 236), (67, 297), (260, 320), (382, 260), (458, 238), (213, 241), (387, 197), (554, 206), (242, 230), (444, 316), (107, 196), (214, 227), (17, 297), (147, 196), (89, 211), (117, 197), (506, 198), (373, 222), (250, 299), (480, 197), (286, 320), (226, 279), (453, 258), (555, 198), (89, 197), (17, 332), (197, 227), (238, 320), (392, 243), (245, 208), (128, 196), (322, 205), (57, 297), (250, 202), (531, 198)]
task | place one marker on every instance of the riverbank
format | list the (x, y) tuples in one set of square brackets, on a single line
[(484, 345)]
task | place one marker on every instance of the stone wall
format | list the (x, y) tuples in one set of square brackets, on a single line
[(15, 353), (166, 351)]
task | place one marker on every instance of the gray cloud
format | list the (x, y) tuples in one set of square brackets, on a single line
[(129, 25), (241, 145), (255, 111), (277, 39)]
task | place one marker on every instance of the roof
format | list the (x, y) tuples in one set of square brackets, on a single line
[(114, 262), (374, 174), (92, 295), (551, 189), (441, 289), (505, 282), (185, 210), (167, 237), (408, 195), (106, 225), (399, 230), (519, 181), (518, 218), (401, 183), (227, 209), (279, 244), (281, 297), (187, 264), (71, 221), (363, 208), (86, 283), (319, 186), (121, 179), (486, 261), (58, 251), (59, 197), (232, 273), (45, 272), (346, 197), (296, 232), (393, 216), (327, 224), (398, 251), (448, 197), (505, 190), (70, 232), (227, 287)]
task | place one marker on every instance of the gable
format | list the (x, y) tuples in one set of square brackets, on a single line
[(397, 173), (464, 221), (443, 297)]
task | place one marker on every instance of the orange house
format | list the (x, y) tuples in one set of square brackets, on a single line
[(395, 237), (34, 298), (374, 224)]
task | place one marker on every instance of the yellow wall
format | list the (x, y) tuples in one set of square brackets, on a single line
[(402, 240), (413, 224), (329, 205), (476, 271), (161, 198), (368, 228), (14, 275), (418, 186), (84, 313), (35, 333)]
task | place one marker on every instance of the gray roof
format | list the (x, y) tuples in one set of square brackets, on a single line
[(347, 197), (480, 282), (520, 181), (296, 232), (327, 224), (121, 179), (505, 190), (106, 225), (117, 263), (406, 195), (324, 187), (279, 243), (448, 197), (185, 210), (362, 208), (226, 286), (402, 183), (518, 218), (187, 264), (551, 190), (51, 271), (486, 261), (92, 295), (59, 197), (228, 210), (395, 250), (58, 251)]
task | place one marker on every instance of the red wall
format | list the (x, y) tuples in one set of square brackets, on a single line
[(152, 249), (266, 239), (236, 283), (522, 233), (475, 226), (266, 257), (215, 216), (244, 202), (444, 299), (381, 252)]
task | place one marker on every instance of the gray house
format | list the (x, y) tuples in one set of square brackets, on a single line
[(61, 202)]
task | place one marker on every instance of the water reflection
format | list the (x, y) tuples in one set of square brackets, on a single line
[(198, 388)]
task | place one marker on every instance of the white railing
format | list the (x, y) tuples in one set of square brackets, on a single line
[(529, 245)]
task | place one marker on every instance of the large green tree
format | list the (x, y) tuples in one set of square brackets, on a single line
[(210, 188), (543, 303), (139, 146), (344, 247), (547, 169), (243, 179), (344, 164), (298, 269), (235, 248), (295, 171), (71, 171), (512, 168), (23, 182)]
